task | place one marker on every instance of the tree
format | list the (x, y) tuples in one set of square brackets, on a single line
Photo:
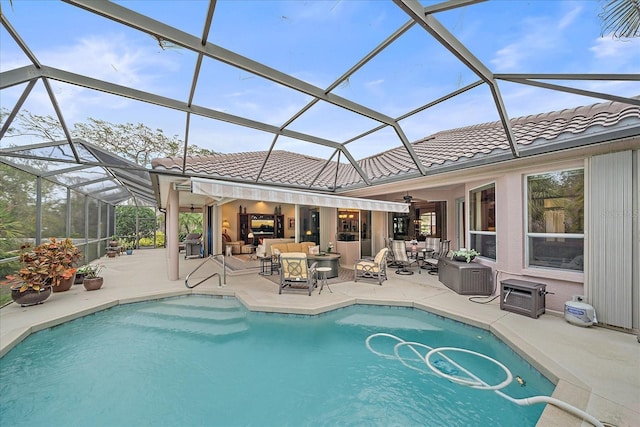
[(126, 221), (135, 142), (621, 18), (189, 223)]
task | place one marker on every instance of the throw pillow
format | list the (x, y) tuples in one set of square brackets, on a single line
[(314, 250)]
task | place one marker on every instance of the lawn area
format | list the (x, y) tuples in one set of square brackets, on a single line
[(5, 292)]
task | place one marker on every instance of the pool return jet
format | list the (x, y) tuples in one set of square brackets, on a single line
[(449, 369)]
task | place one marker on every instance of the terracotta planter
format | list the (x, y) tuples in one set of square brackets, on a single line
[(111, 254), (93, 284), (30, 297), (65, 284)]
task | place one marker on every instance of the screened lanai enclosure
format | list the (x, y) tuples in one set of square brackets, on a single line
[(331, 98), (46, 195)]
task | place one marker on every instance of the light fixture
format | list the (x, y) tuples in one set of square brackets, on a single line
[(250, 236), (308, 233), (225, 225)]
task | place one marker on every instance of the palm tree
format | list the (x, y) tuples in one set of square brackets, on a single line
[(621, 18)]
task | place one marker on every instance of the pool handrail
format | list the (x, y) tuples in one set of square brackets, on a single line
[(209, 258)]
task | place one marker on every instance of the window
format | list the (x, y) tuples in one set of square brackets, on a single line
[(482, 220), (428, 226), (555, 220)]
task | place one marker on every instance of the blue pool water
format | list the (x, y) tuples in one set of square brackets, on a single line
[(200, 360)]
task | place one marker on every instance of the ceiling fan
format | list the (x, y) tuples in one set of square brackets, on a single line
[(407, 198)]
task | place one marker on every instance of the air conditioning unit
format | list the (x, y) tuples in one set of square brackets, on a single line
[(523, 297)]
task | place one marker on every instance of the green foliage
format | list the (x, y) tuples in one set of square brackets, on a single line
[(189, 223), (17, 207), (126, 221), (469, 254), (90, 271), (5, 295), (148, 241)]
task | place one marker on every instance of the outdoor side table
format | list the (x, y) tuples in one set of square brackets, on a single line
[(266, 265), (323, 278)]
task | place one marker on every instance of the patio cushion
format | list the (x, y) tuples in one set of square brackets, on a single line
[(293, 247)]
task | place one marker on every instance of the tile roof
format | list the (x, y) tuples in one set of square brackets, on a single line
[(451, 147)]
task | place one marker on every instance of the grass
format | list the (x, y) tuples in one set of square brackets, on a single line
[(5, 293)]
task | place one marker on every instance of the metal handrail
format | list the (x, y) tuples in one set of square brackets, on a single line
[(209, 258)]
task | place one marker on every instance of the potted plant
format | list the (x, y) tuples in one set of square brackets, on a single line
[(45, 268), (128, 246), (329, 247), (463, 254), (114, 243), (92, 279)]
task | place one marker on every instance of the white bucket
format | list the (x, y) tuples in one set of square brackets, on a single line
[(579, 313)]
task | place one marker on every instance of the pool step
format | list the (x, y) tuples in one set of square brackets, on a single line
[(187, 326), (386, 321), (183, 312), (200, 315), (221, 304)]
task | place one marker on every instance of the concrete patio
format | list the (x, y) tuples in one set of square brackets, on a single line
[(594, 369)]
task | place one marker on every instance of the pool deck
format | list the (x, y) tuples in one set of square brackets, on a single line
[(595, 369)]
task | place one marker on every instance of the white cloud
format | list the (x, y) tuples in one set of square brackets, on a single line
[(541, 37), (569, 18), (607, 47), (374, 83)]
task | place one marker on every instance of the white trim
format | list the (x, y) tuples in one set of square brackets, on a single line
[(214, 188), (470, 233)]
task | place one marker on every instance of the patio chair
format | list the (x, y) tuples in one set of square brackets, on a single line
[(375, 268), (432, 262), (295, 273), (401, 260), (431, 246), (391, 261)]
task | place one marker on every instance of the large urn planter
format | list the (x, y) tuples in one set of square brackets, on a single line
[(30, 296), (65, 284), (93, 284)]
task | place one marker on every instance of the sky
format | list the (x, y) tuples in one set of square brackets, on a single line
[(315, 42)]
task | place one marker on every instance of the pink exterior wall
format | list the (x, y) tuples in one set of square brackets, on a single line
[(511, 240)]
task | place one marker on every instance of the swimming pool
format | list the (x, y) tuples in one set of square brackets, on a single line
[(201, 360)]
